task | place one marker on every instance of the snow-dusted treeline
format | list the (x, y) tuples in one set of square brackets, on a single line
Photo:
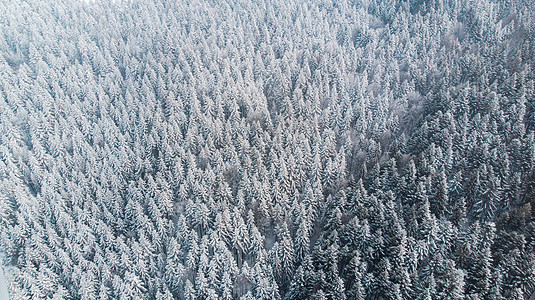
[(242, 149)]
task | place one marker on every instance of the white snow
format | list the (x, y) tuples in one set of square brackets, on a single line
[(3, 285)]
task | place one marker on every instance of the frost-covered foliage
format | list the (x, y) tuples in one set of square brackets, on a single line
[(250, 149)]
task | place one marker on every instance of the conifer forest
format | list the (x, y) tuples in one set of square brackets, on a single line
[(267, 149)]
